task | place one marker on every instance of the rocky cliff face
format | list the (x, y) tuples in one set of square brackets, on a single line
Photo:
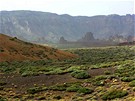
[(42, 26)]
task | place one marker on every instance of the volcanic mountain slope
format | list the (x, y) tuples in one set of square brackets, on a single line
[(13, 49)]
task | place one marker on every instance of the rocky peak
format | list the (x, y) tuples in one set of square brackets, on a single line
[(62, 40)]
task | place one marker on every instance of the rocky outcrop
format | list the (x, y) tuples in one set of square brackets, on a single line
[(87, 38), (62, 40)]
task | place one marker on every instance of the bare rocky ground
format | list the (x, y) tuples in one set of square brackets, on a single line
[(48, 80)]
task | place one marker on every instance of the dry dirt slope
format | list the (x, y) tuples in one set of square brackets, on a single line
[(14, 49)]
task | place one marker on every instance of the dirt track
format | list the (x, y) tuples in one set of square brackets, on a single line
[(100, 71), (22, 83), (25, 82)]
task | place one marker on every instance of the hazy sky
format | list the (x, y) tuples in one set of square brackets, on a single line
[(72, 7)]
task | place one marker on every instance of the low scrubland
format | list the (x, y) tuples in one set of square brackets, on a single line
[(104, 73)]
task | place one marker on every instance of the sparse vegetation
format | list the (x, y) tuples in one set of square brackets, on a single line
[(107, 72), (59, 87), (85, 90), (132, 84), (73, 88), (2, 83), (13, 39), (96, 74), (2, 99), (58, 97), (104, 55), (127, 79), (36, 90), (112, 94), (80, 74)]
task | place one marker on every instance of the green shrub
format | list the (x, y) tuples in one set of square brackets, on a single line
[(132, 84), (99, 80), (79, 89), (80, 74), (99, 83), (107, 72), (101, 77), (1, 87), (85, 90), (112, 77), (55, 71), (127, 79), (29, 73), (33, 90), (112, 94), (2, 99), (58, 87), (58, 97), (2, 83), (8, 69), (73, 88), (25, 74), (36, 90)]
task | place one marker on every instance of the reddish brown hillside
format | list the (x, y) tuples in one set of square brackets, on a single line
[(14, 49)]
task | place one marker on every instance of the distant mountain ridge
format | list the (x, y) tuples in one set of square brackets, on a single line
[(43, 26)]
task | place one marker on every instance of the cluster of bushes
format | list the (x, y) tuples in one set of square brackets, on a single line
[(80, 74), (107, 72), (36, 90), (126, 71), (103, 55), (2, 83), (72, 88), (2, 99), (79, 89), (29, 73), (100, 58), (99, 80), (100, 77), (132, 83), (33, 67), (114, 93), (127, 79), (58, 97), (7, 67), (65, 87), (59, 87)]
